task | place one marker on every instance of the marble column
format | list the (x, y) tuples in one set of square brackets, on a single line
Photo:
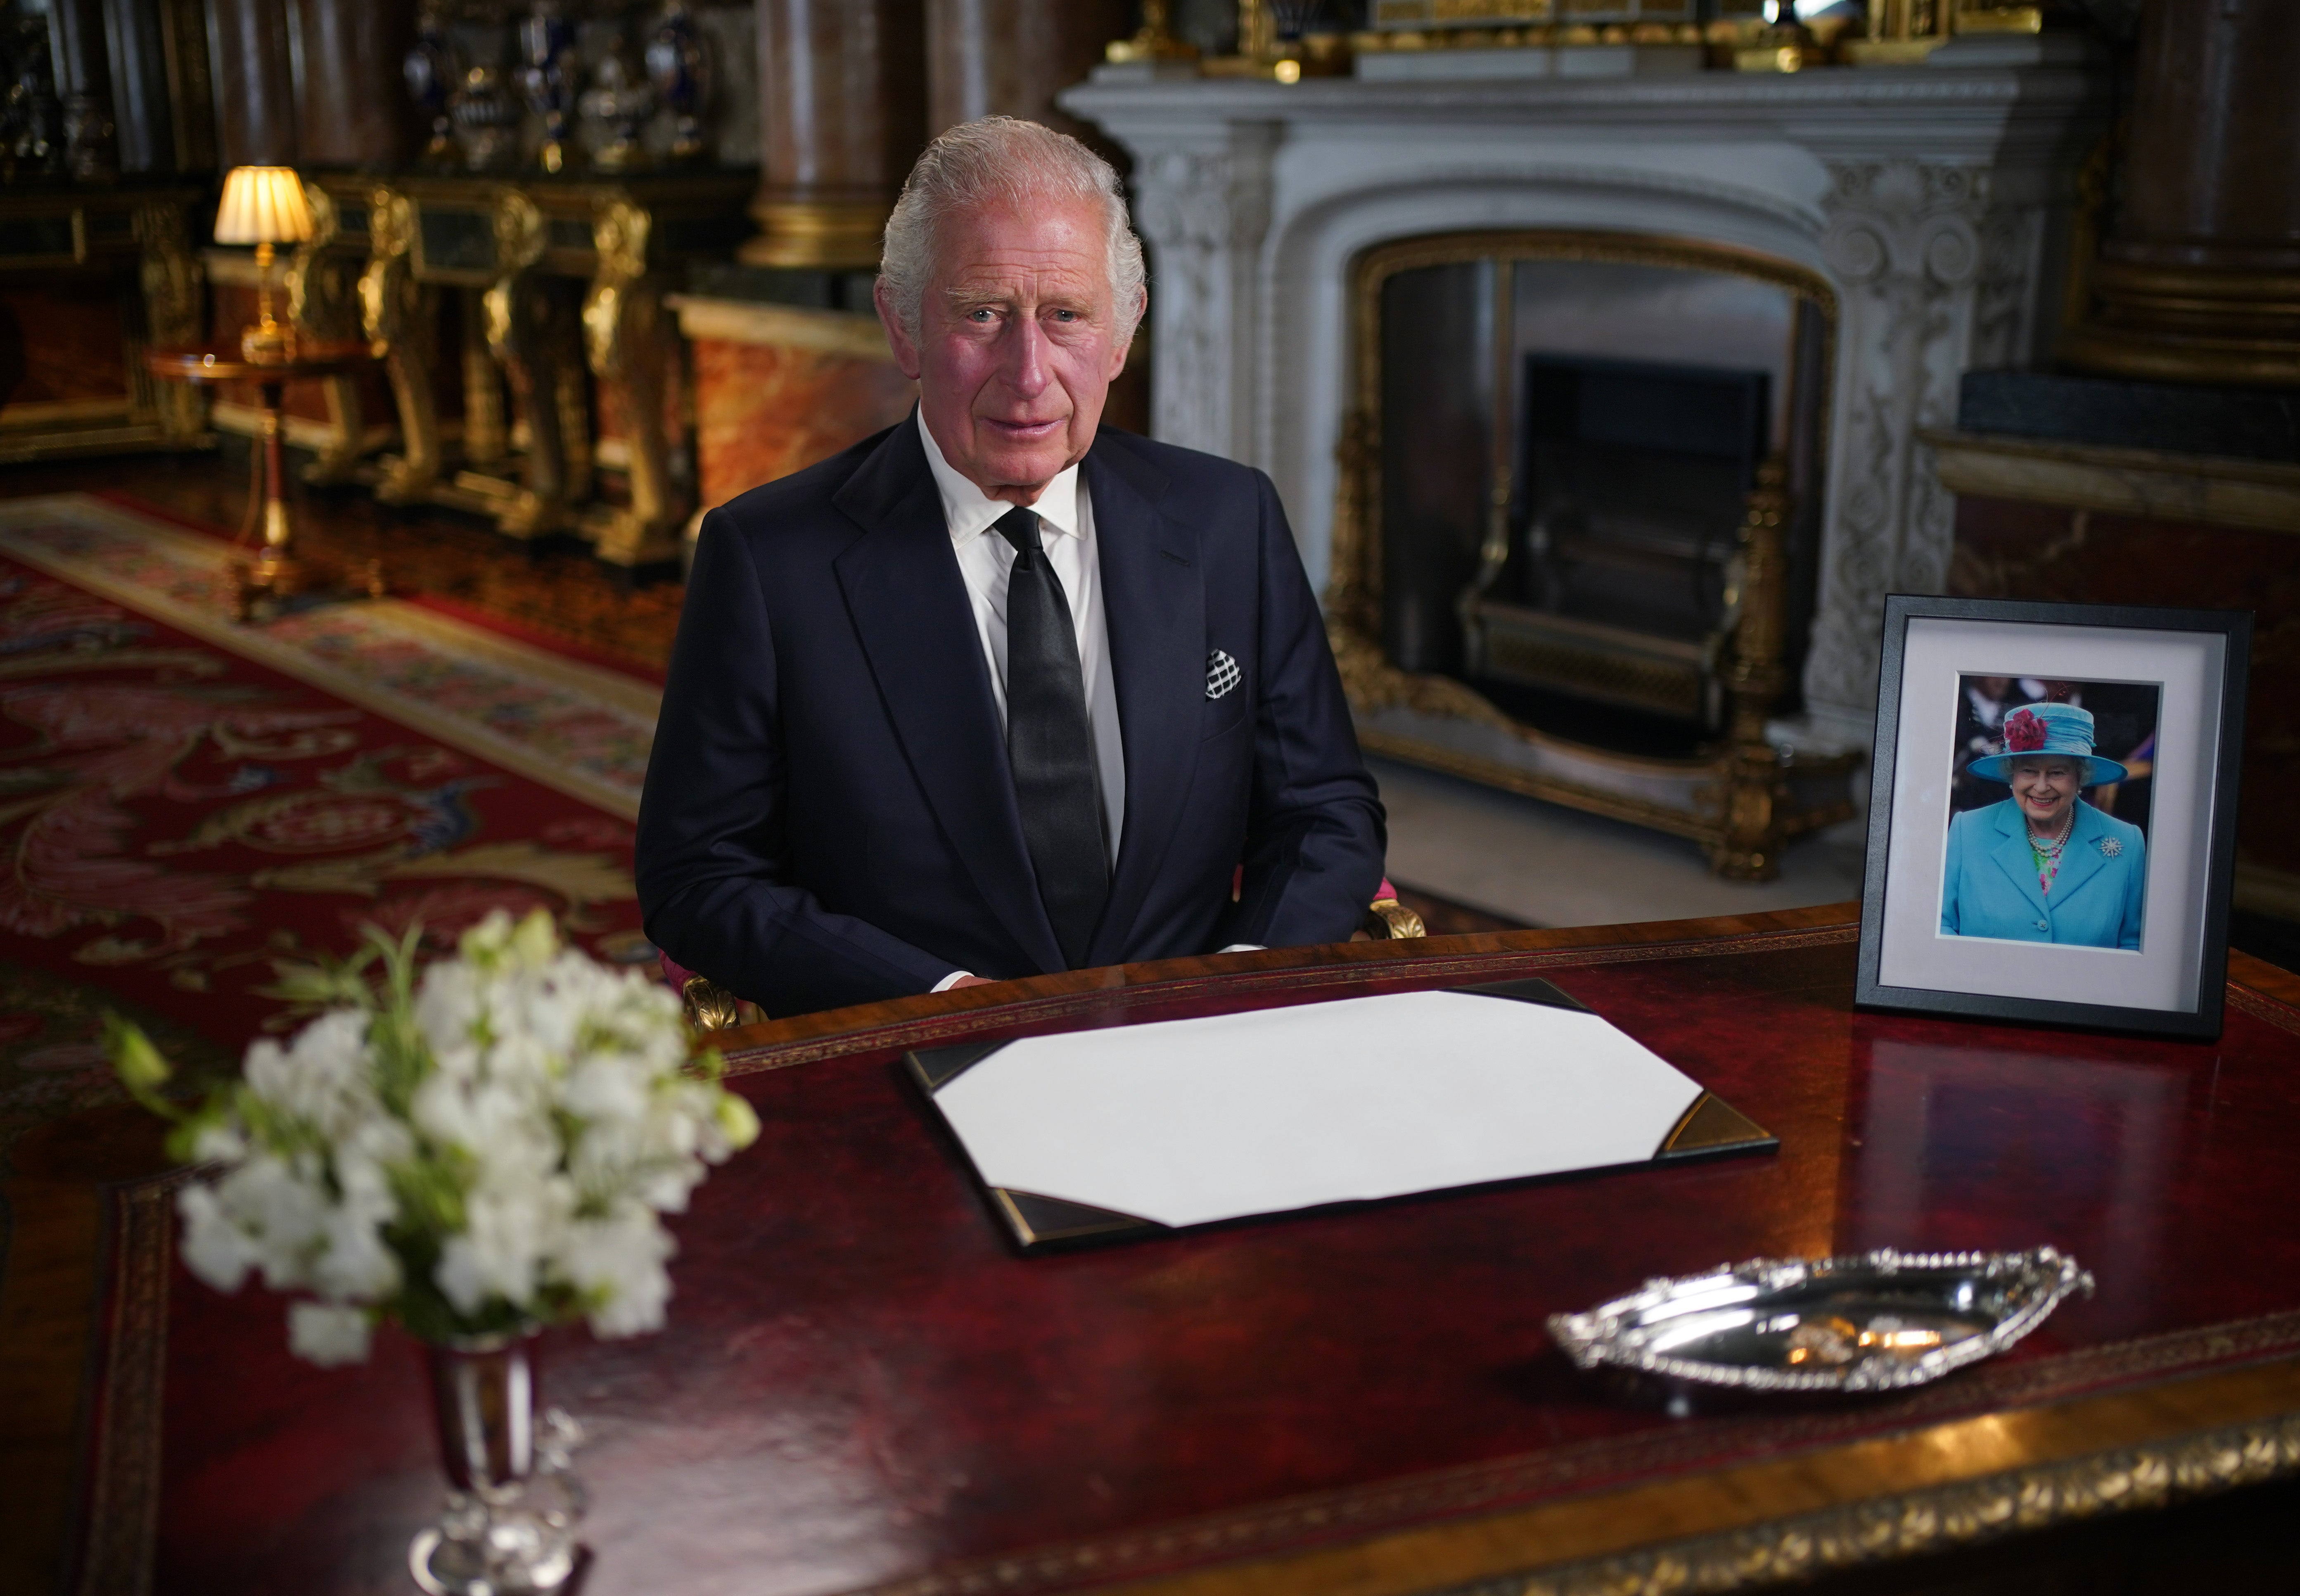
[(254, 85), (84, 83), (351, 105), (1011, 57), (2200, 279), (842, 114)]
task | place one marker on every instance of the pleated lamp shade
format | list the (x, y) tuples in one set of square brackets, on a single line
[(262, 205)]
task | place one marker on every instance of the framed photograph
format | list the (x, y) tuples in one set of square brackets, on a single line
[(2052, 815)]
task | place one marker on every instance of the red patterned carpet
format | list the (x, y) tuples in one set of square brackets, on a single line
[(183, 801)]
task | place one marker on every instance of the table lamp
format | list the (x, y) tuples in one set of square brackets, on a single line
[(263, 206)]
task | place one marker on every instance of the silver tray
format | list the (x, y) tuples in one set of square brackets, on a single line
[(1875, 1322)]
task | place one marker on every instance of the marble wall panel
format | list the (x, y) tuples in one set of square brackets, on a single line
[(778, 389)]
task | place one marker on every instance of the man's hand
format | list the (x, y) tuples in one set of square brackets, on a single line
[(968, 981)]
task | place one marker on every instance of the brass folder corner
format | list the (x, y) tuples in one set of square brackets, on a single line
[(1046, 1221), (1712, 1127)]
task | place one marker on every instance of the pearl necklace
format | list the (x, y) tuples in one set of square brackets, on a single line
[(2048, 858)]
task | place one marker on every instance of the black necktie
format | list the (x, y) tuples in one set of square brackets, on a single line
[(1050, 744)]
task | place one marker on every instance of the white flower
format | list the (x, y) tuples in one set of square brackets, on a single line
[(280, 1210), (327, 1335), (603, 1088), (320, 1078), (500, 1252), (448, 1006), (620, 1260), (215, 1250), (219, 1144), (547, 1120), (354, 1262)]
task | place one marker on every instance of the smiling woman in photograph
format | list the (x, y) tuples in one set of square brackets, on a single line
[(2043, 866)]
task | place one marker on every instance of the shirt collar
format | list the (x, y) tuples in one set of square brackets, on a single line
[(969, 512)]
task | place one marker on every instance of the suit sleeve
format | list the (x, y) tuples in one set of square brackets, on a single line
[(713, 881), (1315, 832)]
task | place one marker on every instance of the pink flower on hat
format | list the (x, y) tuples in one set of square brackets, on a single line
[(2024, 733)]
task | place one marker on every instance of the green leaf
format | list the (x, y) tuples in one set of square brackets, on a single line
[(142, 1068)]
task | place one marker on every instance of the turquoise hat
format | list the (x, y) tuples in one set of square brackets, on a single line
[(2049, 729)]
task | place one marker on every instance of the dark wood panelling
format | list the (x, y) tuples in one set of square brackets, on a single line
[(60, 342), (254, 88), (353, 108)]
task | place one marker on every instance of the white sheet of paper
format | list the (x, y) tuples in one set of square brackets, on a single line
[(1185, 1122)]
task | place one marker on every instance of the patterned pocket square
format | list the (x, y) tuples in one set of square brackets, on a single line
[(1222, 673)]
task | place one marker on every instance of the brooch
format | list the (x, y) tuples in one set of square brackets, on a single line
[(2110, 847)]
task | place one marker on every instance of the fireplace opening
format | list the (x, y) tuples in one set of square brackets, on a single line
[(1564, 434)]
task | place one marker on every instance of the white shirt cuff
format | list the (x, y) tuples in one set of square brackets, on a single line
[(1243, 948), (950, 981)]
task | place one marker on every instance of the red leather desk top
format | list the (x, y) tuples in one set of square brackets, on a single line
[(863, 1385)]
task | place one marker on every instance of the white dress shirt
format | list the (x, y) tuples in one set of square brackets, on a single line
[(985, 561)]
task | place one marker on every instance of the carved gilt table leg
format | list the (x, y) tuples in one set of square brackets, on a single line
[(398, 312), (317, 311), (623, 338), (574, 393), (172, 300), (1756, 798), (486, 435), (519, 316)]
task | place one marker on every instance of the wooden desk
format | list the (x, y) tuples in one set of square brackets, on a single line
[(862, 1387)]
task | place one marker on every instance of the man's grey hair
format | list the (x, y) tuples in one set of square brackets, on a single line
[(1005, 161)]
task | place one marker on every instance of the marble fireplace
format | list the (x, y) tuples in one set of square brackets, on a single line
[(1925, 211)]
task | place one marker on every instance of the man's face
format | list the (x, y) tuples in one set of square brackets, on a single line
[(1018, 342)]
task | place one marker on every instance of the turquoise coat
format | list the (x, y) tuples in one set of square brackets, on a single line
[(1989, 888)]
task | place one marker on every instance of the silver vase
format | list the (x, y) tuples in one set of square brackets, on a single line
[(513, 1502)]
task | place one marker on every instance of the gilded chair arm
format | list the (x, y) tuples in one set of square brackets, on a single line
[(1386, 918), (709, 1005)]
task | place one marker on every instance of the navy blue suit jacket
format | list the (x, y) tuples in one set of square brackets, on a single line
[(829, 816)]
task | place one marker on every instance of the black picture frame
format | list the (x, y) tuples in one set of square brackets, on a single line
[(2203, 1017)]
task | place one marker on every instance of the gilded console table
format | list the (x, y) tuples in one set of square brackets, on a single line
[(90, 278), (563, 281), (863, 1388)]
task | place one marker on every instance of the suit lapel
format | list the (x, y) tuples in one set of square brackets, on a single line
[(2081, 859), (1155, 608), (910, 609), (2013, 856)]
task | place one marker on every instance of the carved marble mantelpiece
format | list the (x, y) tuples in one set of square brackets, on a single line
[(1935, 200)]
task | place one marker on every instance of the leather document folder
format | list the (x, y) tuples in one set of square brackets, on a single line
[(1133, 1129)]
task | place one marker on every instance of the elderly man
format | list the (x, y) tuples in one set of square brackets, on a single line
[(1000, 690)]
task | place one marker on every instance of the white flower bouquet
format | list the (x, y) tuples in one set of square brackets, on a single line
[(479, 1152)]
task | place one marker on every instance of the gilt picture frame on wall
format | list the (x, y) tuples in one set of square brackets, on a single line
[(2052, 813)]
